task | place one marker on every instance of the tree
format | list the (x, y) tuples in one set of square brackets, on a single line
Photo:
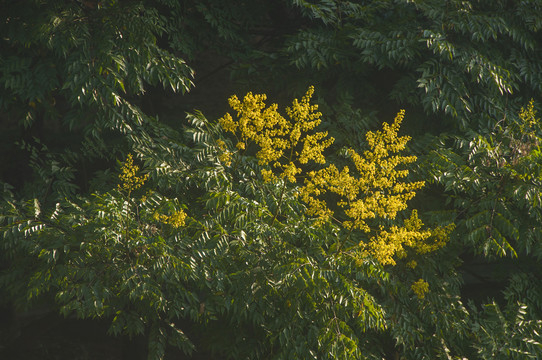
[(214, 236), (73, 73), (80, 88), (72, 78), (493, 187), (465, 61)]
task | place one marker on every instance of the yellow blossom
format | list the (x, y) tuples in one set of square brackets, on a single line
[(392, 241), (372, 191), (282, 142), (160, 217), (267, 175), (240, 145), (221, 144), (176, 220), (225, 158), (227, 123), (129, 180), (420, 288), (290, 171), (528, 115), (378, 179), (439, 237), (224, 154)]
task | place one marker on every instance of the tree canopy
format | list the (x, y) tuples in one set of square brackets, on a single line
[(392, 211)]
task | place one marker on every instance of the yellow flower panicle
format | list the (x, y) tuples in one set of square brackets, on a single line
[(373, 188), (377, 190), (283, 143), (129, 181), (439, 237), (390, 242), (528, 115), (221, 144), (225, 158), (420, 288), (225, 155), (176, 220)]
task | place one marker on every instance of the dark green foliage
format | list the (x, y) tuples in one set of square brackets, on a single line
[(511, 335), (114, 256), (493, 188), (471, 61), (494, 181), (71, 72)]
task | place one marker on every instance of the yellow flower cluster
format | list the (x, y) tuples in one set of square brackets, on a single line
[(129, 180), (388, 243), (282, 143), (528, 115), (373, 189), (225, 155), (439, 238), (377, 191), (176, 220), (420, 288)]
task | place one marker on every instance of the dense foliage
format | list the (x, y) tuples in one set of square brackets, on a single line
[(271, 232)]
